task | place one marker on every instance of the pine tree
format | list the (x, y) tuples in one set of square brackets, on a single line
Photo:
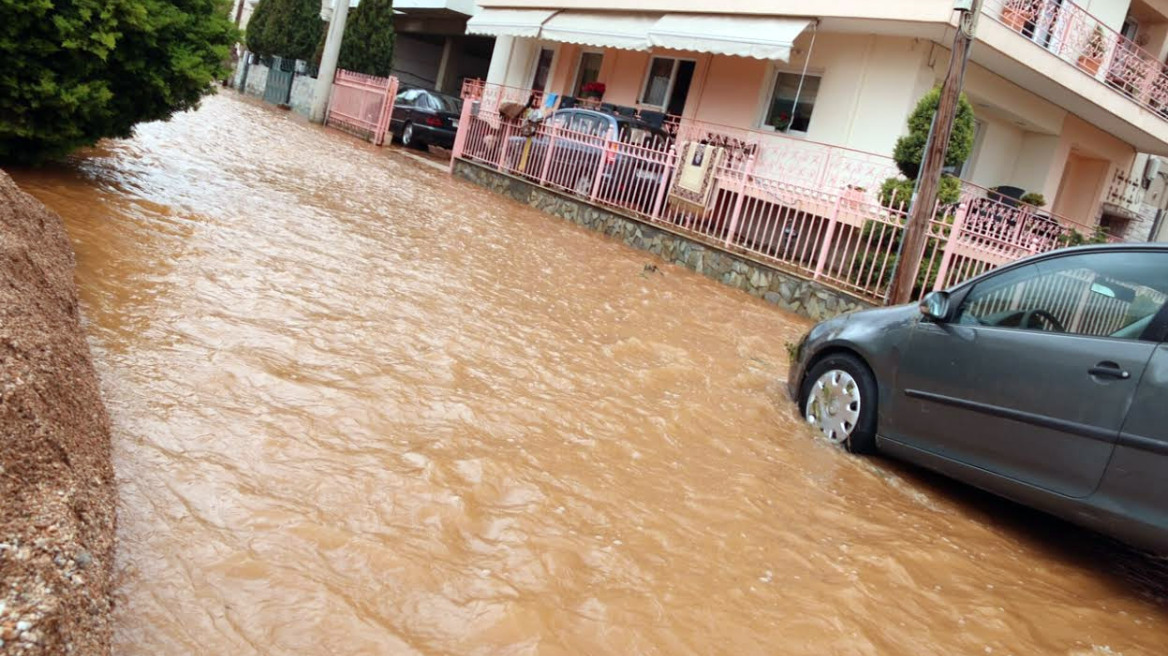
[(285, 28), (910, 150), (76, 71), (369, 36)]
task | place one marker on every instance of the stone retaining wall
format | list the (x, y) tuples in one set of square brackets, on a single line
[(786, 290)]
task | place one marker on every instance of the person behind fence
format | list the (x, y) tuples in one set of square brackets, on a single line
[(529, 122)]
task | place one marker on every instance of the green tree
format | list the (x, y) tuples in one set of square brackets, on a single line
[(285, 28), (368, 44), (76, 71), (910, 149)]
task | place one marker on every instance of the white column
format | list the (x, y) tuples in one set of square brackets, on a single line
[(500, 59), (328, 62)]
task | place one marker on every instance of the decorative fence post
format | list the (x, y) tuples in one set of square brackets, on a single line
[(736, 213), (666, 180), (460, 137), (386, 111), (828, 238), (951, 244)]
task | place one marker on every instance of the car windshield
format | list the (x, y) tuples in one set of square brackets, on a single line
[(446, 103)]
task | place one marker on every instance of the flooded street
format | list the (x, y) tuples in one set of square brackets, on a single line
[(361, 407)]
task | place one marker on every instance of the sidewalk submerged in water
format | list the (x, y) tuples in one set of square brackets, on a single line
[(57, 498)]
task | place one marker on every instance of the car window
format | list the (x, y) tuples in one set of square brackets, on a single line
[(561, 119), (589, 124), (444, 103), (408, 97), (1113, 294)]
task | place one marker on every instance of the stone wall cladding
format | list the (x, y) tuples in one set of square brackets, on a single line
[(786, 290)]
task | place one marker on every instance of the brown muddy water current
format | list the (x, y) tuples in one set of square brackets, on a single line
[(361, 407)]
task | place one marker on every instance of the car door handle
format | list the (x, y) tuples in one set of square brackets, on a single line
[(1109, 370)]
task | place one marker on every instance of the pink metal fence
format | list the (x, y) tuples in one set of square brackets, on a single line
[(769, 202), (362, 104), (1072, 34)]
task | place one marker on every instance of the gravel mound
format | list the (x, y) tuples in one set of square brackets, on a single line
[(57, 500)]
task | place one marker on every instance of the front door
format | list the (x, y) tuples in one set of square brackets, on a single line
[(1033, 376)]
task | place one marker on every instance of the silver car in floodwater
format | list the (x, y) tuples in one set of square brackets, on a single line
[(1045, 382)]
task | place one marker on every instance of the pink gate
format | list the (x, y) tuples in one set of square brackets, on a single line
[(362, 105)]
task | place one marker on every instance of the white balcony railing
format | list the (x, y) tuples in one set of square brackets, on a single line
[(1071, 33)]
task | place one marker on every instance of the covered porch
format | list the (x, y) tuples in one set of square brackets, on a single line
[(804, 90)]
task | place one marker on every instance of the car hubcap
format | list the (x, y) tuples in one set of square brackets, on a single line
[(408, 135), (584, 186), (833, 406)]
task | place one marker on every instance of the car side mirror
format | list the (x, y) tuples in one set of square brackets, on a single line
[(935, 306)]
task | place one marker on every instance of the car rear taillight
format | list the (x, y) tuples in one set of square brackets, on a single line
[(434, 121)]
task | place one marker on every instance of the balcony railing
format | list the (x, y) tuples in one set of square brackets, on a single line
[(1125, 191), (798, 205), (1078, 38)]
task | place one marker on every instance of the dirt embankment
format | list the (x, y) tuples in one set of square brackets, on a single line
[(57, 511)]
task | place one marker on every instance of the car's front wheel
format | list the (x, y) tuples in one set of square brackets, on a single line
[(838, 399)]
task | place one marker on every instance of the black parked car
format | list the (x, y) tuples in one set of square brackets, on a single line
[(422, 117)]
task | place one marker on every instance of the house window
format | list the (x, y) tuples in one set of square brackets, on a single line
[(543, 68), (786, 113), (667, 84), (589, 70)]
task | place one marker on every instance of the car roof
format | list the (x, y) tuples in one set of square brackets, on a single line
[(632, 120), (1137, 247)]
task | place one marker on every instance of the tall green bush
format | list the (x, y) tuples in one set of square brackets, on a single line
[(369, 37), (75, 71), (285, 28), (910, 149)]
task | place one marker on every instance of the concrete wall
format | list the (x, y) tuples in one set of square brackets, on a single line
[(806, 297), (303, 91)]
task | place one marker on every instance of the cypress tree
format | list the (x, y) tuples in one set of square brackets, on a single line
[(369, 36), (76, 71), (285, 28)]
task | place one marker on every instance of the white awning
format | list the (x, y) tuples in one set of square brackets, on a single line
[(509, 22), (601, 29), (739, 36)]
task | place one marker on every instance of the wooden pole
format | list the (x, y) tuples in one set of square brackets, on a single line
[(916, 230)]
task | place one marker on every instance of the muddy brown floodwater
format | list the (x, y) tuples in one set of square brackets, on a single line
[(363, 408)]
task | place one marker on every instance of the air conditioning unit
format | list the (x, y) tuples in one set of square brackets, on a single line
[(963, 5)]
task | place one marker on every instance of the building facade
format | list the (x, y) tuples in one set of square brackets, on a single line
[(1071, 99)]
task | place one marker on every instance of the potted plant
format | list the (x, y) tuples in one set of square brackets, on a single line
[(1034, 198), (1092, 56), (593, 90), (1017, 13)]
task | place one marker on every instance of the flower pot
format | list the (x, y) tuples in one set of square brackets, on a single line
[(1016, 18), (1089, 65)]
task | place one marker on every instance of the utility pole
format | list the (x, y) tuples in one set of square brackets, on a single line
[(328, 62), (916, 230)]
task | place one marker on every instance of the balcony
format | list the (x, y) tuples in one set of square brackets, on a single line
[(1080, 39)]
